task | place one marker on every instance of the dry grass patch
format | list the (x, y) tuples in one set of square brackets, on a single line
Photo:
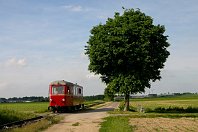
[(164, 124)]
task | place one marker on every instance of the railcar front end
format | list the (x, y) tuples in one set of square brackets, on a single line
[(65, 96)]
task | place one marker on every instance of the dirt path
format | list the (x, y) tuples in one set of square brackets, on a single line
[(88, 121)]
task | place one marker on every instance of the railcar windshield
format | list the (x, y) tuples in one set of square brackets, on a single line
[(57, 89)]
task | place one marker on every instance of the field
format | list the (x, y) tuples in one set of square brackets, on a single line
[(178, 101), (155, 121)]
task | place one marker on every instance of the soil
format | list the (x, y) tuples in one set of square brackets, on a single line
[(164, 124), (88, 121)]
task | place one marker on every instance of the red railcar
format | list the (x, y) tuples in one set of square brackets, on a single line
[(64, 96)]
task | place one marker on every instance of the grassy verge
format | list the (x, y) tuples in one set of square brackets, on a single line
[(116, 124)]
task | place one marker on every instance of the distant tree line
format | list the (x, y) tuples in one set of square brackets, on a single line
[(176, 94), (45, 99), (25, 99), (94, 97)]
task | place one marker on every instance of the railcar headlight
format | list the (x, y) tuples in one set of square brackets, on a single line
[(63, 100), (50, 100)]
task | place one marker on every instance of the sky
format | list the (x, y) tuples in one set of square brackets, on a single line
[(43, 40)]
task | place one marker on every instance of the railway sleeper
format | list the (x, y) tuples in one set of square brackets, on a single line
[(20, 123)]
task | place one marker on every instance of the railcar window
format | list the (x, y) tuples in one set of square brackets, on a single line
[(57, 90), (79, 91)]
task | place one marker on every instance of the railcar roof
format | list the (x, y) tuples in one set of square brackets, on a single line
[(62, 82)]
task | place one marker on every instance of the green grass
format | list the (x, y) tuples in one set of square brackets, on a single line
[(116, 124)]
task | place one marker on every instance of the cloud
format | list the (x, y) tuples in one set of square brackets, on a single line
[(74, 8), (16, 62), (77, 8), (3, 85)]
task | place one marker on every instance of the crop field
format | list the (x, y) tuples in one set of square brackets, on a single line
[(31, 107), (165, 102)]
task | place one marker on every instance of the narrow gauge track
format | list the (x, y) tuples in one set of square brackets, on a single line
[(38, 118), (20, 123), (26, 121)]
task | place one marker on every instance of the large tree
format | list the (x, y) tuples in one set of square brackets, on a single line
[(128, 52)]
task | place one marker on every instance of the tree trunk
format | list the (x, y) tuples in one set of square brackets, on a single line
[(126, 108)]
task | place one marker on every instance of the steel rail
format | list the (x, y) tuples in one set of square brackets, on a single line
[(20, 123)]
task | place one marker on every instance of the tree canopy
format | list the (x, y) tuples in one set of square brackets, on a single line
[(128, 51)]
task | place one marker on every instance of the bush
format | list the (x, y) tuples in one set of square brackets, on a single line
[(174, 110), (192, 110)]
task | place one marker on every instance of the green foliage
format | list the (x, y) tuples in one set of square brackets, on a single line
[(127, 51), (109, 94), (94, 97), (116, 124)]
